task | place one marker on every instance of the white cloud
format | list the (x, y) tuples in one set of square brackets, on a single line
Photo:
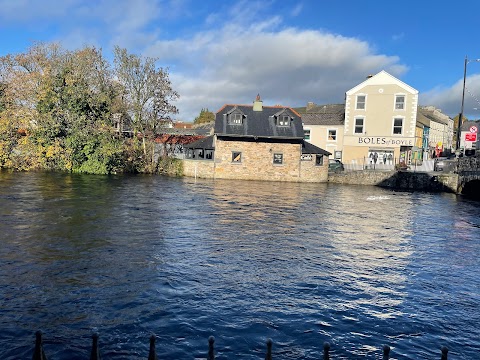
[(289, 67), (449, 99)]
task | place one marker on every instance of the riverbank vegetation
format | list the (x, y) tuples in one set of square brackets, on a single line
[(74, 111)]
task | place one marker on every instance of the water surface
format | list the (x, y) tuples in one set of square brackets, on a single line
[(301, 264)]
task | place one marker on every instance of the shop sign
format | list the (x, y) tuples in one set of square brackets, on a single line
[(306, 157), (385, 141)]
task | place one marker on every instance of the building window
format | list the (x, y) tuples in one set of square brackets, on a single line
[(319, 160), (284, 120), (397, 126), (359, 123), (199, 153), (278, 159), (236, 157), (236, 119), (399, 102), (306, 134), (209, 154), (361, 99), (332, 135)]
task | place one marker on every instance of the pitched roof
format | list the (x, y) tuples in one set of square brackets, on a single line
[(308, 148), (205, 143), (382, 78), (425, 114), (258, 123)]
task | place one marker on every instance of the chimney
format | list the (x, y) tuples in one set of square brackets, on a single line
[(257, 104)]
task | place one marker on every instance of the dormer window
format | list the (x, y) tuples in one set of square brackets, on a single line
[(236, 119), (284, 120)]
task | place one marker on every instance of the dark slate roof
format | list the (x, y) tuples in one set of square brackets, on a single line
[(258, 123), (324, 119), (329, 108), (205, 143), (204, 128), (308, 148), (329, 114)]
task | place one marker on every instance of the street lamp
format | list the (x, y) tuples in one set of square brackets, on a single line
[(460, 117)]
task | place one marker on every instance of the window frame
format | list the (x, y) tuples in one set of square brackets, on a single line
[(235, 119), (284, 121), (396, 102), (305, 134), (330, 135), (355, 125), (319, 160), (236, 154), (277, 159), (402, 119), (360, 102)]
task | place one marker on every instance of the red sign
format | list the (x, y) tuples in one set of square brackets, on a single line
[(473, 129), (471, 137)]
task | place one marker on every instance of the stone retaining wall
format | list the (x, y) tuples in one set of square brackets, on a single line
[(401, 180)]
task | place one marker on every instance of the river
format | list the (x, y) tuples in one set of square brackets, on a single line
[(131, 256)]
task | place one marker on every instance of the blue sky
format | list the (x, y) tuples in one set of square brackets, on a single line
[(290, 52)]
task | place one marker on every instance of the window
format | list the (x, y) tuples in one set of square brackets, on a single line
[(278, 159), (284, 120), (359, 122), (236, 119), (332, 135), (236, 157), (361, 99), (306, 134), (209, 154), (397, 126), (319, 160), (199, 153), (399, 102)]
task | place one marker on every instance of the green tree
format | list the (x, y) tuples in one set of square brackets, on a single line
[(148, 95), (205, 116)]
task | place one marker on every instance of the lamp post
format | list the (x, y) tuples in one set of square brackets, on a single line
[(460, 117)]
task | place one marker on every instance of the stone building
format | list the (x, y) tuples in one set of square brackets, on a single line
[(257, 143)]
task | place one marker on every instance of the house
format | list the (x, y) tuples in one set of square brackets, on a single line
[(380, 121), (379, 125), (439, 137), (256, 142), (323, 126)]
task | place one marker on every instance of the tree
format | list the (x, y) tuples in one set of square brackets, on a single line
[(148, 94), (204, 117)]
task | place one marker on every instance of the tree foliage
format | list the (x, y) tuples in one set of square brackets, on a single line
[(148, 94), (205, 116), (57, 106)]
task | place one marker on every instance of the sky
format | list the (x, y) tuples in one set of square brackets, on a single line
[(290, 52)]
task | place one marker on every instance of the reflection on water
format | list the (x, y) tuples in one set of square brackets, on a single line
[(244, 261)]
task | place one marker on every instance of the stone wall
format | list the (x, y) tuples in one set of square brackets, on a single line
[(257, 163), (198, 168), (401, 180)]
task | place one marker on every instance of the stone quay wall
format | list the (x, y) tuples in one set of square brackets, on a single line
[(401, 180)]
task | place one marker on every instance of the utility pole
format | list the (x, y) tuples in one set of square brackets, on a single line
[(460, 117)]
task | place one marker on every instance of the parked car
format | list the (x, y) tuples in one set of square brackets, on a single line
[(444, 164), (335, 165)]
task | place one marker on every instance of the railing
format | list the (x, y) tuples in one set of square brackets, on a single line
[(39, 353), (367, 163)]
